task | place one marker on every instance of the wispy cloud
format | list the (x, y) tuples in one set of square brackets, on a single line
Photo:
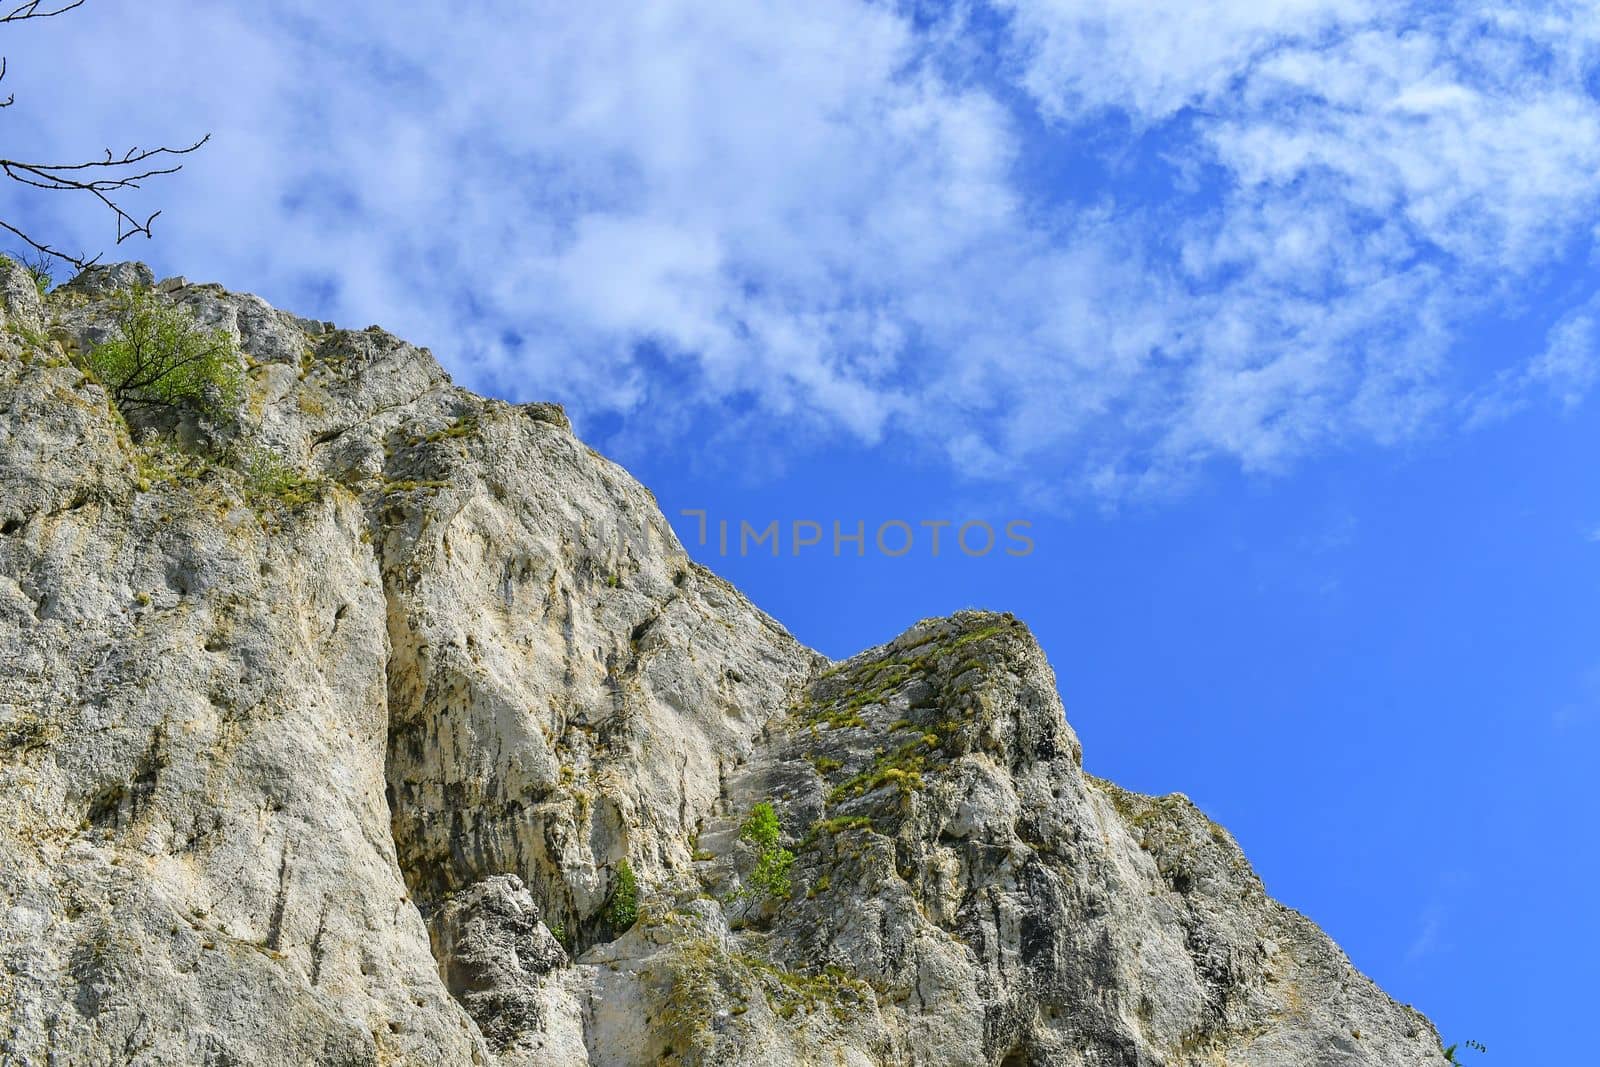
[(1584, 706), (828, 219), (1152, 58), (1564, 372), (1429, 931), (1436, 918)]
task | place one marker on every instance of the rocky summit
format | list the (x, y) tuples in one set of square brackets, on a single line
[(353, 718)]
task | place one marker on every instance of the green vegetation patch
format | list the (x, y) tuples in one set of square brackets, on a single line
[(463, 426), (704, 980), (839, 824), (38, 269), (622, 910), (159, 357), (267, 476), (773, 861), (843, 690)]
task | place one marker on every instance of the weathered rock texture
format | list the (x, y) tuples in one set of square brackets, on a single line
[(326, 730)]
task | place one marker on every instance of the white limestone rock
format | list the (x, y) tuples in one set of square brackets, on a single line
[(341, 763)]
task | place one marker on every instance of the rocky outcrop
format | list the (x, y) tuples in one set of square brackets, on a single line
[(496, 958), (332, 726)]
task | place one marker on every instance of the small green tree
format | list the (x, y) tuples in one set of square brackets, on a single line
[(622, 910), (160, 357), (761, 828), (771, 875)]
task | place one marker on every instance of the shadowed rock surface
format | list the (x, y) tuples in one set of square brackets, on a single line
[(327, 728)]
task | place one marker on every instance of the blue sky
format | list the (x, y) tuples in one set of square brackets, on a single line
[(1277, 322)]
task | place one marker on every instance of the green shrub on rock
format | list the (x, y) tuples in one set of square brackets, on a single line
[(771, 874), (160, 357), (267, 475), (761, 826), (38, 268), (623, 908)]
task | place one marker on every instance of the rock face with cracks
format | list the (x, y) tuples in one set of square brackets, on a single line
[(330, 726)]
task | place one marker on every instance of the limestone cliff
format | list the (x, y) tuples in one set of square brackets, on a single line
[(335, 730)]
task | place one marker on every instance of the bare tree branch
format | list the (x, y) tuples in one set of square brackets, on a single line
[(81, 262), (30, 10), (100, 178)]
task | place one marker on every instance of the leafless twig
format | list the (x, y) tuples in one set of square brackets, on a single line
[(100, 178), (30, 10)]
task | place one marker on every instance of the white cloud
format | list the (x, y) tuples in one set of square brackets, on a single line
[(1564, 372), (1569, 367), (816, 219), (1468, 146), (1387, 173), (1428, 937), (1154, 57)]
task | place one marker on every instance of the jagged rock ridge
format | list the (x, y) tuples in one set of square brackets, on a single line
[(343, 766)]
